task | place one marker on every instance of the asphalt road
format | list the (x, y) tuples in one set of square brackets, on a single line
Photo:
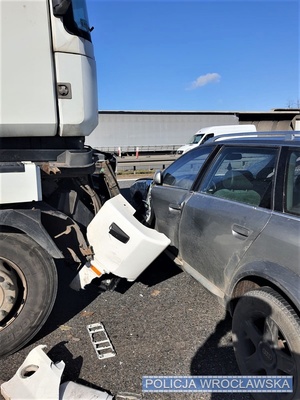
[(163, 324)]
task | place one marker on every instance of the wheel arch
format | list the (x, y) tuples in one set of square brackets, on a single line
[(283, 281), (29, 223)]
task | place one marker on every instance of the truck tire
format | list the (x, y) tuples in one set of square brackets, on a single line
[(28, 288), (266, 339)]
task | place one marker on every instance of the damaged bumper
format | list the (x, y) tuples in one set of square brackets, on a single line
[(38, 378), (122, 246)]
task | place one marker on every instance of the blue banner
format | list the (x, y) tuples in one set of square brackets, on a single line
[(221, 384)]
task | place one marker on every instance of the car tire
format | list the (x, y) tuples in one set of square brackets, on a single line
[(149, 214), (266, 339), (28, 288)]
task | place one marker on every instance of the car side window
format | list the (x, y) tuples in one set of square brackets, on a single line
[(242, 174), (183, 173), (207, 137), (292, 184)]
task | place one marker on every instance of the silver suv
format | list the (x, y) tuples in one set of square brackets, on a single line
[(231, 208)]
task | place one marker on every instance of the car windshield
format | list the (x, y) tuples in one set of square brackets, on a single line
[(196, 138)]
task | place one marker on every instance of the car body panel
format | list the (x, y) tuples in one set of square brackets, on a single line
[(178, 183), (236, 230), (168, 214), (221, 241), (275, 256), (213, 239)]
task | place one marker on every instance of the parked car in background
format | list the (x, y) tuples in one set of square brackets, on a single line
[(209, 132), (232, 211)]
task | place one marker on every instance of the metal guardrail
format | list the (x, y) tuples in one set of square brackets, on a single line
[(144, 163), (123, 150)]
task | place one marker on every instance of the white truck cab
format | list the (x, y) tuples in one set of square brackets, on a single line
[(206, 133), (52, 186), (48, 69)]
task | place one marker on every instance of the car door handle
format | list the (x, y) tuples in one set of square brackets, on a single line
[(175, 207), (240, 231)]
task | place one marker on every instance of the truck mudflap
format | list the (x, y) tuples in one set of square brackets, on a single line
[(121, 245)]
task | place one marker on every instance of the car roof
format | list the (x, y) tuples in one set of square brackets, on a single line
[(291, 138)]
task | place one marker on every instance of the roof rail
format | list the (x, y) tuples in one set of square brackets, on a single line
[(284, 135)]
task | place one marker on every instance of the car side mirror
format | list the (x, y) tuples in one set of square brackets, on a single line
[(158, 178)]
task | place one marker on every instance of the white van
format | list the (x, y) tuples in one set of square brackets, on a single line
[(206, 133)]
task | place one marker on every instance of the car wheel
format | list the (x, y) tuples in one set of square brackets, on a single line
[(28, 287), (266, 339), (149, 214)]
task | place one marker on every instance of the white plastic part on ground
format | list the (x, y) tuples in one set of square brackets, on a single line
[(128, 396), (121, 244), (38, 378), (100, 341), (72, 391)]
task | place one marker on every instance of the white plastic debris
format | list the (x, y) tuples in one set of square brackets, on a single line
[(83, 278), (37, 378), (100, 341), (121, 244), (128, 396), (71, 391)]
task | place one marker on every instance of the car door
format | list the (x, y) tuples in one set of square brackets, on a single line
[(168, 199), (222, 219)]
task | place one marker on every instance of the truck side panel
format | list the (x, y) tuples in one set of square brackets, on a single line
[(78, 114), (28, 98), (48, 75)]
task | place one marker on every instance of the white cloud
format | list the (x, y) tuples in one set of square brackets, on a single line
[(205, 80)]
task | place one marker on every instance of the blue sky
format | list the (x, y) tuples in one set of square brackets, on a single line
[(196, 55)]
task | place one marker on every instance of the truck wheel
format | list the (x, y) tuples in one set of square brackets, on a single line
[(28, 287), (266, 339)]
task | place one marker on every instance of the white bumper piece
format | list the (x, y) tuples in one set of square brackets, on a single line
[(121, 244), (38, 378)]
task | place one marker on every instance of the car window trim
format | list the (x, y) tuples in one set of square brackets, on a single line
[(280, 171), (280, 204), (206, 167)]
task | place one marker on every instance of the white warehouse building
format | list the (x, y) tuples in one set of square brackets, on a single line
[(126, 131)]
